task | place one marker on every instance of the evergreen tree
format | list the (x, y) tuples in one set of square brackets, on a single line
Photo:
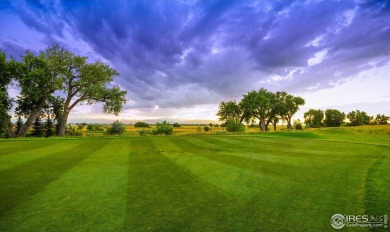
[(37, 128), (49, 127), (19, 124)]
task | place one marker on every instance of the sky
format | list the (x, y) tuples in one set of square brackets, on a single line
[(179, 59)]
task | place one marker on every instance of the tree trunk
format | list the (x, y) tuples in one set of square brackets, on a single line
[(289, 126), (23, 130), (64, 121), (274, 126), (262, 125), (10, 133)]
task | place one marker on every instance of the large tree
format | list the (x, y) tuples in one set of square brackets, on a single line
[(258, 105), (230, 111), (292, 106), (8, 69), (84, 82), (313, 118), (37, 82), (334, 118), (279, 109), (358, 118), (381, 119)]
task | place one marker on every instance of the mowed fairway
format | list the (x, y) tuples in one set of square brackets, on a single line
[(189, 183)]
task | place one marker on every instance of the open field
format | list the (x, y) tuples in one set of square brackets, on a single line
[(279, 181)]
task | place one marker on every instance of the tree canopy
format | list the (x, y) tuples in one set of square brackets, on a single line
[(334, 118), (263, 106), (42, 76), (313, 118), (84, 82)]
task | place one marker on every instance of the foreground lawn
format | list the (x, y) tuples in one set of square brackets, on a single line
[(189, 183)]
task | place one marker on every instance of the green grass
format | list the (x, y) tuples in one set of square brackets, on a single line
[(282, 181)]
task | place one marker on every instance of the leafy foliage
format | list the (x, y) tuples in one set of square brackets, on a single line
[(176, 124), (116, 128), (358, 118), (49, 131), (334, 118), (382, 119), (233, 126), (230, 110), (163, 128), (142, 124), (206, 128), (7, 73), (298, 125), (84, 82), (37, 128), (313, 118)]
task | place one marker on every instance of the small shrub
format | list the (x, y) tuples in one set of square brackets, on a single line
[(298, 125), (163, 128), (233, 126), (206, 128), (116, 128), (199, 129), (145, 132), (90, 127)]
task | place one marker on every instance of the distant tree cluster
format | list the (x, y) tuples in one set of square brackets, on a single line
[(335, 118), (262, 106), (40, 77), (141, 125)]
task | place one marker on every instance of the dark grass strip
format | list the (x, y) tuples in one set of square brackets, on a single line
[(163, 196), (377, 186), (17, 147), (20, 183), (227, 156)]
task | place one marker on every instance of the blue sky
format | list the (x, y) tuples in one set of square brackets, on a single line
[(179, 59)]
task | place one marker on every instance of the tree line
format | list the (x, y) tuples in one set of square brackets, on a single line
[(268, 108), (316, 118), (51, 84)]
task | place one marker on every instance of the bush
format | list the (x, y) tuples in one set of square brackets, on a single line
[(116, 128), (233, 126), (90, 127), (176, 124), (199, 128), (298, 125), (163, 128), (145, 132), (141, 124), (206, 128)]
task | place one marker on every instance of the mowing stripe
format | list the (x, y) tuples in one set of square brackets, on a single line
[(233, 178), (20, 183), (164, 196), (90, 195), (229, 157), (31, 151), (378, 184)]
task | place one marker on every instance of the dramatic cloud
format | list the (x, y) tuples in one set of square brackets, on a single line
[(176, 54)]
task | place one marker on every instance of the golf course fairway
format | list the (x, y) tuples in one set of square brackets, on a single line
[(190, 183)]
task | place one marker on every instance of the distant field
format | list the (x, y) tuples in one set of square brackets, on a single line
[(277, 181)]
